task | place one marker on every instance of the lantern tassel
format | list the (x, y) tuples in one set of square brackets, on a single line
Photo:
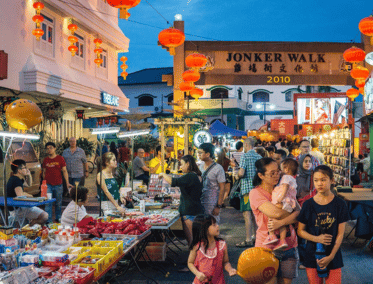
[(172, 51)]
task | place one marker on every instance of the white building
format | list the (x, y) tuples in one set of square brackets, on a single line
[(43, 70)]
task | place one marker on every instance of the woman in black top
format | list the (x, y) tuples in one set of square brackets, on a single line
[(190, 185)]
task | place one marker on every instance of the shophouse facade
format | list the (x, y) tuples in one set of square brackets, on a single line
[(45, 70)]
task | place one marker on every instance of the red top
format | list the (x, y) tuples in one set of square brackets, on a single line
[(210, 263), (124, 154), (53, 169)]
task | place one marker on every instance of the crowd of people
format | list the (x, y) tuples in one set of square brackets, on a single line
[(281, 184)]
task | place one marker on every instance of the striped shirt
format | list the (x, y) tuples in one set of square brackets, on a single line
[(237, 156)]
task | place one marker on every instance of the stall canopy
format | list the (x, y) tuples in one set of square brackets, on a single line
[(218, 128)]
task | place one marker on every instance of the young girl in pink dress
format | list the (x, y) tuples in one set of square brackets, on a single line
[(284, 196), (208, 253)]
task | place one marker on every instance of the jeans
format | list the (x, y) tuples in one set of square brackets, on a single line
[(56, 191), (73, 180)]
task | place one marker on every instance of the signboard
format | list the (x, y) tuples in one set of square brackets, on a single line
[(214, 104), (3, 65), (201, 137), (283, 126), (108, 99)]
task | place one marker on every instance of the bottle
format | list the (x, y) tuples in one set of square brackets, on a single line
[(44, 189), (319, 254)]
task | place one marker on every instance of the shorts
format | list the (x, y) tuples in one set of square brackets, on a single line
[(29, 213), (188, 217), (289, 261), (245, 203)]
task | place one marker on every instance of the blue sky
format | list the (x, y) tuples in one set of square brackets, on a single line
[(240, 20)]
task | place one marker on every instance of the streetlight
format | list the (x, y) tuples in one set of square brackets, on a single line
[(264, 105)]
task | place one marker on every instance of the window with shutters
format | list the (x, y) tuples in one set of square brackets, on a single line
[(45, 46), (78, 61)]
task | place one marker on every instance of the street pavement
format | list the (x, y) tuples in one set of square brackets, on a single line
[(358, 264)]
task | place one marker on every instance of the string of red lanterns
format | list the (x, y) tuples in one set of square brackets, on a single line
[(124, 66), (98, 50), (124, 6), (38, 32), (72, 39)]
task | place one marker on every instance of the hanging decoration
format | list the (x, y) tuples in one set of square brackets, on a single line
[(359, 72), (196, 93), (113, 119), (23, 114), (98, 50), (107, 120), (360, 83), (354, 55), (352, 94), (38, 32), (366, 27), (171, 38), (80, 113), (191, 76), (195, 61), (124, 6), (186, 86), (72, 39), (124, 66)]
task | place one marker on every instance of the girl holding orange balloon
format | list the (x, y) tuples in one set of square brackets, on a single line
[(208, 253), (322, 222)]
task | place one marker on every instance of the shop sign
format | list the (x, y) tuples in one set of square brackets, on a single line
[(3, 65), (283, 126), (108, 99), (201, 137)]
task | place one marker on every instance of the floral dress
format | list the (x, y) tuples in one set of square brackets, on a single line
[(210, 263)]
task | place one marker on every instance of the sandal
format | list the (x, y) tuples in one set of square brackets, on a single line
[(245, 244)]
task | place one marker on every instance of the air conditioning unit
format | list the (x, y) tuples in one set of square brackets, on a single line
[(249, 106)]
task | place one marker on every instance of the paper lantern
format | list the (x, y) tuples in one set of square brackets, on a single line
[(100, 121), (98, 61), (98, 50), (196, 93), (359, 72), (72, 39), (72, 28), (124, 6), (352, 94), (73, 49), (366, 27), (171, 38), (362, 91), (186, 86), (360, 83), (124, 67), (257, 265), (38, 33), (23, 114), (354, 55), (195, 61), (191, 76)]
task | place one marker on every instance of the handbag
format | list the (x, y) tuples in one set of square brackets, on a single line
[(234, 196)]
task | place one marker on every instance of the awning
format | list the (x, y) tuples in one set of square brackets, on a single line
[(218, 128)]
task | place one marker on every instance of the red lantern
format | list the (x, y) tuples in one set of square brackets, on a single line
[(99, 121), (98, 61), (124, 75), (195, 60), (360, 83), (359, 73), (361, 91), (354, 55), (98, 51), (107, 120), (352, 93), (38, 33), (124, 6), (186, 86), (72, 28), (171, 38), (97, 42), (191, 76), (124, 66), (196, 93), (366, 27), (114, 119), (72, 39), (73, 49)]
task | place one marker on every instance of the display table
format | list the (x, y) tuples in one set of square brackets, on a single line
[(21, 204)]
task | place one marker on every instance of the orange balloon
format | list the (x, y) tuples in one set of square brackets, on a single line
[(257, 265), (23, 114)]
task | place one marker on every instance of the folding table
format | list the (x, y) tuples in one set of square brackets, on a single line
[(20, 204)]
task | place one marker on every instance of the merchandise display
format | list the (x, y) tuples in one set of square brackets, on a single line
[(336, 147)]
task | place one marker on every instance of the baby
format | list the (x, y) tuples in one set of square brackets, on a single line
[(284, 197)]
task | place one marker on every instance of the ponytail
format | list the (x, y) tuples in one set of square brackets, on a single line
[(261, 166)]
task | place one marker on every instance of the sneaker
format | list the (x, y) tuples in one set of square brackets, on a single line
[(245, 244), (281, 245), (270, 240)]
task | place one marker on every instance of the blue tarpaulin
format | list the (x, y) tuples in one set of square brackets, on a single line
[(218, 128)]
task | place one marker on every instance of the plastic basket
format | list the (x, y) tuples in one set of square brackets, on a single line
[(86, 244), (55, 264), (99, 266), (117, 246)]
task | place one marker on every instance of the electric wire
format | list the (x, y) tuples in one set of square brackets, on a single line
[(158, 12)]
